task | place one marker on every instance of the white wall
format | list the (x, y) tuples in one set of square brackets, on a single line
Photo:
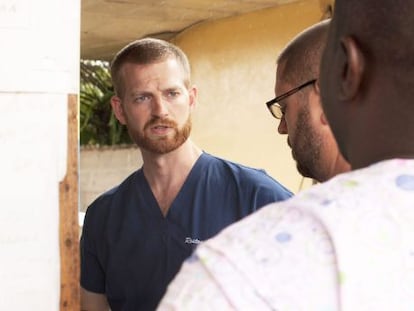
[(39, 68)]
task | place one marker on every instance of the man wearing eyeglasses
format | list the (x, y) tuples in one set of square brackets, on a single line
[(298, 106), (206, 282)]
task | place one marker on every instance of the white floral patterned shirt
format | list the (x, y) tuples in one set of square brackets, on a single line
[(347, 244)]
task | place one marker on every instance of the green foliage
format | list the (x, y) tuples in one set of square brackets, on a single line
[(98, 125)]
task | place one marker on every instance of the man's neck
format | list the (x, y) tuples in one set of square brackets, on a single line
[(167, 173), (341, 165), (160, 166)]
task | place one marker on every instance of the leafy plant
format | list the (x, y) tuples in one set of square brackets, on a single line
[(98, 125)]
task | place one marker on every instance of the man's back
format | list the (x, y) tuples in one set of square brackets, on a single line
[(343, 243)]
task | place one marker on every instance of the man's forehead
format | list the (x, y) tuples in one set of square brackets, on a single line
[(282, 79), (279, 72)]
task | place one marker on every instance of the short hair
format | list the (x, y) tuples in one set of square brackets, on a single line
[(146, 51), (301, 56), (385, 34)]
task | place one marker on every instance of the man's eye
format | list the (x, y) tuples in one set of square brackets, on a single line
[(173, 93), (141, 98)]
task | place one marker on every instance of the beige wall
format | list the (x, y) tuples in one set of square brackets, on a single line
[(233, 65), (104, 168)]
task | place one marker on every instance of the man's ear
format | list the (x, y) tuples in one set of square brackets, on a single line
[(353, 68), (118, 109), (322, 116), (192, 92)]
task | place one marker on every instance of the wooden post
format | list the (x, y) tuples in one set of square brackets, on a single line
[(68, 219)]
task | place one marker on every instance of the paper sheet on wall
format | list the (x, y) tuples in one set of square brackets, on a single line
[(40, 46), (29, 213)]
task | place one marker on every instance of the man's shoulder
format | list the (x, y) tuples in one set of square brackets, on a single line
[(359, 195), (389, 175), (244, 173), (236, 166), (121, 190)]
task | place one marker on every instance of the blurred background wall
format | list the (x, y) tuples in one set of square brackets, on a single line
[(233, 65)]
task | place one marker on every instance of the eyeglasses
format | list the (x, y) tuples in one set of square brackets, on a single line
[(274, 106)]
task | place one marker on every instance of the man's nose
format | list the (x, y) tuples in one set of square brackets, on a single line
[(159, 107)]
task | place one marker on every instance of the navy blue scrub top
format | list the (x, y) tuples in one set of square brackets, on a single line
[(130, 251)]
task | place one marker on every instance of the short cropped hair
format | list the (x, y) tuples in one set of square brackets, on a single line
[(386, 37), (301, 57), (143, 52)]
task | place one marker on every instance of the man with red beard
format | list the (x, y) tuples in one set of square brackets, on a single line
[(298, 106), (136, 236)]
